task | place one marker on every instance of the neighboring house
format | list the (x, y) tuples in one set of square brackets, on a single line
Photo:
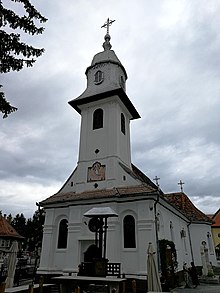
[(7, 235), (105, 179), (216, 232)]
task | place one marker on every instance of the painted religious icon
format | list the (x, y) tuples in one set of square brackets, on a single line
[(96, 172)]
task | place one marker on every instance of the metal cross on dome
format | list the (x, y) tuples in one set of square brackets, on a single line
[(107, 24), (181, 185)]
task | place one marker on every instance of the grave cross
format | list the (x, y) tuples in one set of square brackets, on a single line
[(181, 185), (157, 180), (107, 24)]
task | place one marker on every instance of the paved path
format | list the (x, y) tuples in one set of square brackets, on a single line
[(202, 288)]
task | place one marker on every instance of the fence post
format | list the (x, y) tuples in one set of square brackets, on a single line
[(2, 287), (124, 287), (41, 282), (134, 287), (31, 288)]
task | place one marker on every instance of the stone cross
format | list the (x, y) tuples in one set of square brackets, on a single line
[(181, 185), (107, 24), (157, 180)]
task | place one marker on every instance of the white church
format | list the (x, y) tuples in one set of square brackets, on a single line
[(108, 208)]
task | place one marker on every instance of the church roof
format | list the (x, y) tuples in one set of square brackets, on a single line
[(7, 231), (89, 96), (120, 192), (182, 202), (105, 57), (142, 177)]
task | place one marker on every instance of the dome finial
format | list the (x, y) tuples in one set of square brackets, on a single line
[(106, 45)]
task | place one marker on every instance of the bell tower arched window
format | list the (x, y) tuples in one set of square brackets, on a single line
[(63, 234), (122, 123), (98, 119), (99, 77), (129, 232)]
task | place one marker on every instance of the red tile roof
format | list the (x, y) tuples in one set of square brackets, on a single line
[(7, 231), (181, 201), (59, 197)]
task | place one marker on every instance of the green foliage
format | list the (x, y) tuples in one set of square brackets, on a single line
[(14, 54), (31, 229), (210, 274), (34, 230), (168, 260), (5, 107), (19, 223)]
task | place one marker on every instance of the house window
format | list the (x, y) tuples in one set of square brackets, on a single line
[(129, 232), (99, 77), (122, 123), (98, 119), (63, 233)]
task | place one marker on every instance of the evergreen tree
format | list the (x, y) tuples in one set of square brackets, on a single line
[(31, 229), (34, 230), (14, 54), (9, 218), (38, 222), (19, 223)]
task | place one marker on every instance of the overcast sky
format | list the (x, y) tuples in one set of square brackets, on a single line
[(171, 52)]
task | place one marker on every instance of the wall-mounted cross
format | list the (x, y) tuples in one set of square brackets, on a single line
[(181, 185), (107, 24), (157, 180)]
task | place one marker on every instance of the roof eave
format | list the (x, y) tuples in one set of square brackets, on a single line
[(118, 91)]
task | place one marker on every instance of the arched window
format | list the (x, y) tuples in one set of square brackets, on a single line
[(99, 77), (129, 232), (122, 123), (98, 119), (63, 233)]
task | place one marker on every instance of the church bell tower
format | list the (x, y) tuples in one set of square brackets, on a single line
[(104, 159)]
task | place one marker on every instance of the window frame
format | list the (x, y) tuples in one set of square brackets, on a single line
[(123, 123), (98, 119), (98, 77), (62, 238), (129, 241)]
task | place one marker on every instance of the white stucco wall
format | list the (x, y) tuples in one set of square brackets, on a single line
[(199, 234), (171, 224), (79, 237), (133, 260)]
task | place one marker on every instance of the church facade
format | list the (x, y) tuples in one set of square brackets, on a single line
[(106, 180)]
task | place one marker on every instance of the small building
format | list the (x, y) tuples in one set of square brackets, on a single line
[(7, 235)]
